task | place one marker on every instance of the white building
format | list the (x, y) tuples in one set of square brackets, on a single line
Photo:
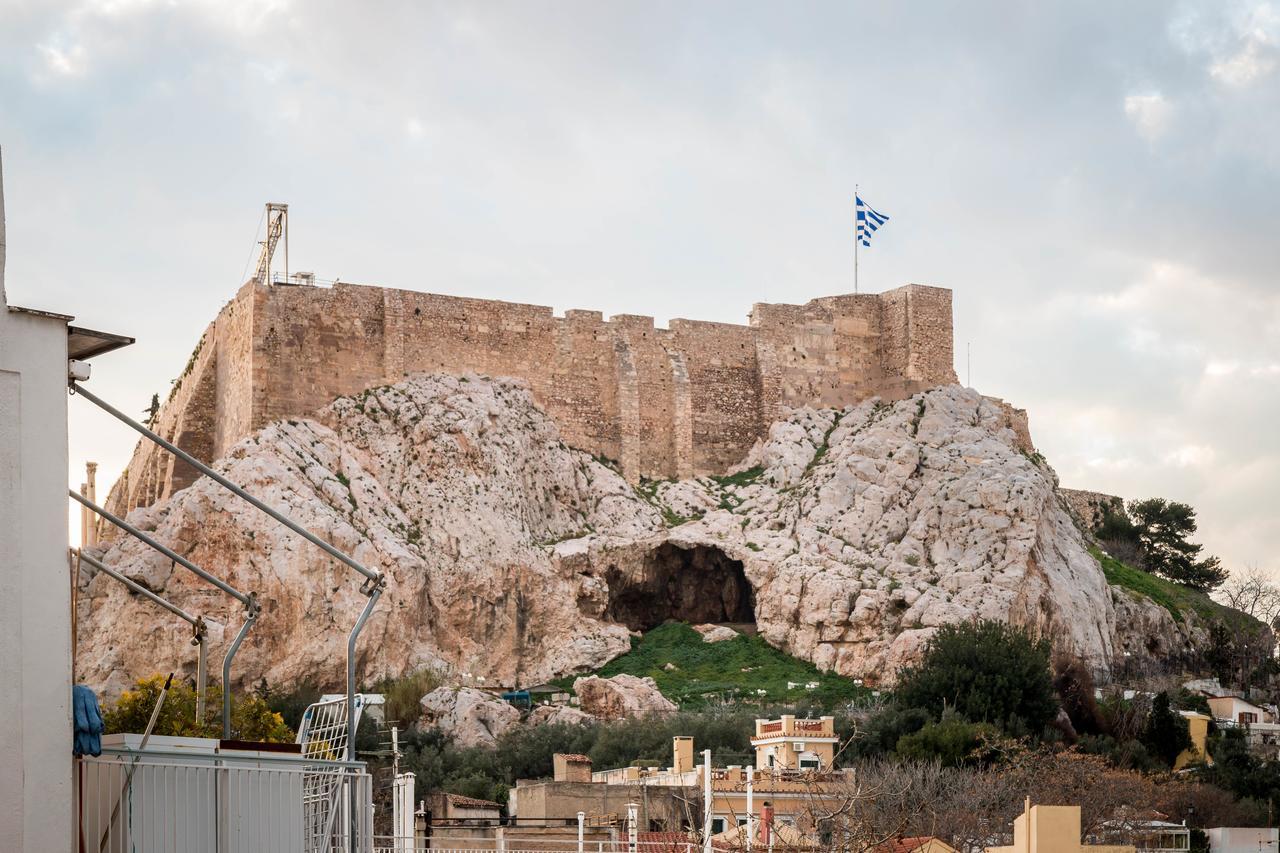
[(36, 792), (1243, 839), (1238, 710)]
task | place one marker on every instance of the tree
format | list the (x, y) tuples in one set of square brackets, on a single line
[(1073, 683), (1119, 535), (152, 410), (251, 718), (953, 742), (1163, 528), (1166, 733), (1253, 592), (985, 671)]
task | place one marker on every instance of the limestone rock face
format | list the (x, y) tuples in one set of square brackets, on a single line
[(621, 696), (558, 715), (458, 489), (715, 633), (471, 717), (861, 531), (848, 536)]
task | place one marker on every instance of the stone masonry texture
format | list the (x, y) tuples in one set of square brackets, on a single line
[(688, 400)]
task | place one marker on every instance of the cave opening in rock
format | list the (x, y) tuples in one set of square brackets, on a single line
[(695, 584)]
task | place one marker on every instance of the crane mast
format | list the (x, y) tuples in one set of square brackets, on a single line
[(277, 217)]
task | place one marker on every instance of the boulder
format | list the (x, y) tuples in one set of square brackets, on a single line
[(558, 715), (715, 633), (471, 717), (621, 696)]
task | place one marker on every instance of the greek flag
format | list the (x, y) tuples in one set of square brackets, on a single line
[(868, 221)]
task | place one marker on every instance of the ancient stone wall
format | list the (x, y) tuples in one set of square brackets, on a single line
[(1090, 508), (686, 400)]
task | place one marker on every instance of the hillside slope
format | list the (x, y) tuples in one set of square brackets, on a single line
[(848, 536)]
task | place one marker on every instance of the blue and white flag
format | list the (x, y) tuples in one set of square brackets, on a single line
[(868, 221)]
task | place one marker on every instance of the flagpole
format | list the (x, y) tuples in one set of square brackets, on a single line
[(855, 238)]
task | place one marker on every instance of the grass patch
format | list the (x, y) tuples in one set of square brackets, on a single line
[(742, 478), (705, 671), (1175, 598)]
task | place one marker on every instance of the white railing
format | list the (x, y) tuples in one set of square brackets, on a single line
[(514, 842), (179, 802)]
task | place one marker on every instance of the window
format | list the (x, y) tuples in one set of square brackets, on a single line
[(810, 764), (742, 821), (717, 825)]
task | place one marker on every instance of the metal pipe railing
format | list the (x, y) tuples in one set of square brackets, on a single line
[(249, 600), (226, 670), (374, 581), (198, 627), (243, 597), (77, 388), (195, 621)]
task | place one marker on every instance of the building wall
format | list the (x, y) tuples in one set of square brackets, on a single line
[(35, 603), (558, 802), (687, 400)]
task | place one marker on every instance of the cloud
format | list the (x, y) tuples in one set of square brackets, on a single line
[(1100, 199), (1150, 114), (1256, 59)]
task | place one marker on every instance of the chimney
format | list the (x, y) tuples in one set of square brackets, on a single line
[(569, 767), (766, 823), (681, 754)]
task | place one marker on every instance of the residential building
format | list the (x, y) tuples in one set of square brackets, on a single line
[(1243, 839), (1052, 829), (1262, 731), (1160, 836), (1237, 709), (1198, 728), (36, 778), (792, 776)]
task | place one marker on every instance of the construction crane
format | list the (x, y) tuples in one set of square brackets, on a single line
[(277, 226)]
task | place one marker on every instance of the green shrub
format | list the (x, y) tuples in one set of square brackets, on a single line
[(952, 742), (986, 672), (251, 718)]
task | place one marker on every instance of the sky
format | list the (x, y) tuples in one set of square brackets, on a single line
[(1098, 183)]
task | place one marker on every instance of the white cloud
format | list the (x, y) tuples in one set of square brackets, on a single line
[(1150, 114), (1216, 368), (1190, 456), (1255, 60), (62, 59)]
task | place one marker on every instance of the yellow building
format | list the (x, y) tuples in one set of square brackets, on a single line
[(1052, 829), (792, 744), (1198, 726)]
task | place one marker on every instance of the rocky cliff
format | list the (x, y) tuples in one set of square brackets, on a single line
[(847, 536)]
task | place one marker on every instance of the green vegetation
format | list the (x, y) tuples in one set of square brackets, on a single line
[(740, 668), (1155, 537), (742, 478), (1175, 598), (986, 672), (251, 717)]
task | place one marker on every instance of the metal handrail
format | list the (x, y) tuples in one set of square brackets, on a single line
[(374, 581), (249, 600), (198, 627), (332, 551), (245, 598)]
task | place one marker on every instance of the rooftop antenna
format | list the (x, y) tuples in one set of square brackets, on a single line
[(277, 226)]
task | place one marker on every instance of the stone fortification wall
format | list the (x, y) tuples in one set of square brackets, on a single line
[(1090, 507), (677, 402)]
